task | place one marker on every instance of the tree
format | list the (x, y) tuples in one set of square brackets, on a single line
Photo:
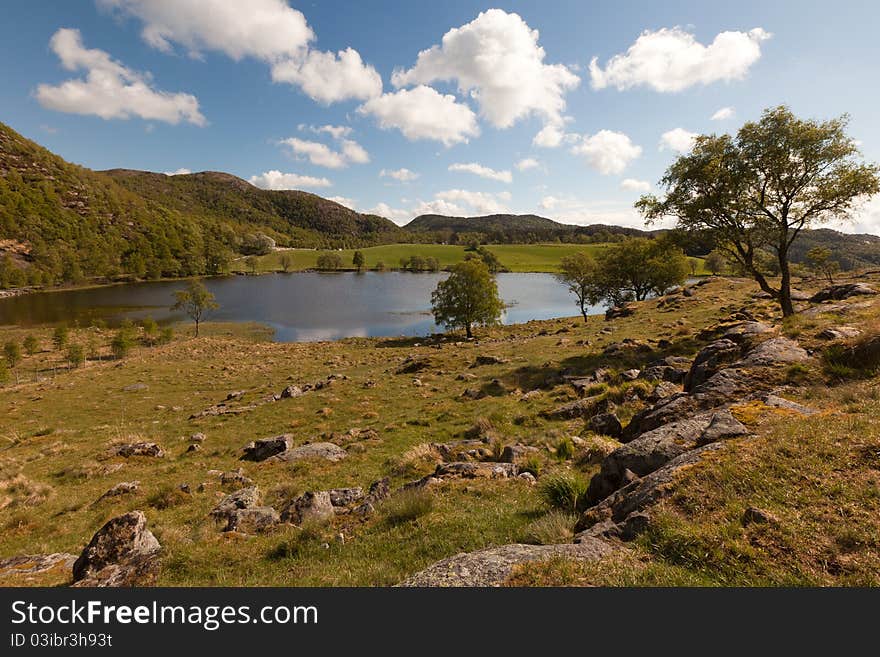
[(12, 353), (31, 344), (715, 261), (195, 301), (60, 336), (329, 261), (820, 262), (580, 274), (286, 262), (487, 256), (358, 260), (258, 244), (121, 343), (756, 192), (638, 267), (151, 331), (76, 355), (251, 263), (468, 297)]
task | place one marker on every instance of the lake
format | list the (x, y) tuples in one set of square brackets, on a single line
[(301, 307)]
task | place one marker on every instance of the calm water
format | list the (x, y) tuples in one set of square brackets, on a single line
[(300, 306)]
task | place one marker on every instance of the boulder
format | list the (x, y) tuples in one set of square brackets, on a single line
[(23, 568), (476, 470), (788, 405), (326, 451), (264, 448), (722, 426), (581, 408), (244, 498), (710, 359), (746, 331), (838, 333), (616, 312), (122, 553), (842, 291), (252, 520), (312, 506), (291, 392), (754, 515), (140, 449), (122, 488), (607, 424), (488, 360), (775, 351), (663, 390), (493, 566), (345, 496), (517, 453)]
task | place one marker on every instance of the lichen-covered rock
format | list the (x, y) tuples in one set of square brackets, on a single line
[(775, 351), (345, 496), (252, 520), (122, 553), (477, 470), (843, 291), (140, 449), (264, 448), (311, 506), (122, 488), (244, 498), (607, 424), (775, 401), (710, 359), (327, 451)]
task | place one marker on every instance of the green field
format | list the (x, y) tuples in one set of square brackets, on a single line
[(515, 257)]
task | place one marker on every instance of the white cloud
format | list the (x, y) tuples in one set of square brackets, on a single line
[(276, 180), (438, 206), (343, 200), (400, 175), (323, 156), (335, 131), (329, 78), (178, 172), (265, 29), (633, 185), (865, 218), (723, 114), (481, 171), (677, 139), (550, 136), (607, 151), (423, 113), (269, 30), (110, 90), (480, 202), (671, 59), (497, 60), (527, 163), (571, 210), (397, 215)]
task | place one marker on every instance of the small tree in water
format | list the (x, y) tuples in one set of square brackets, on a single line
[(468, 297), (195, 301)]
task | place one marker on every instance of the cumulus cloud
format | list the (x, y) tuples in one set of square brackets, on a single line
[(671, 59), (496, 59), (572, 210), (323, 156), (277, 180), (481, 171), (633, 185), (330, 77), (480, 202), (343, 200), (110, 90), (865, 218), (723, 114), (677, 139), (403, 175), (550, 136), (607, 152), (335, 131), (423, 113), (178, 172), (269, 30), (527, 163)]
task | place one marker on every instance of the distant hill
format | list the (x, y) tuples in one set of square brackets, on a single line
[(60, 222)]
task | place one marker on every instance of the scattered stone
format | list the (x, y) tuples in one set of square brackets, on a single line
[(312, 506), (476, 470), (345, 496), (195, 447), (235, 477), (785, 404), (466, 376), (327, 451), (140, 449), (774, 352), (122, 488), (581, 408), (197, 438), (488, 360), (607, 424), (754, 515), (237, 394), (244, 498), (260, 450), (616, 312), (527, 477), (517, 453), (122, 553), (291, 391), (843, 291), (838, 333), (252, 520)]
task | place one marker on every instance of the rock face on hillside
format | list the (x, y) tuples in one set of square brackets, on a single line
[(122, 553), (843, 291)]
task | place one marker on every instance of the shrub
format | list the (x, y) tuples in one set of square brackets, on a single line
[(151, 331), (122, 343), (565, 448), (12, 353), (76, 355), (563, 491), (166, 335), (31, 345), (555, 527), (407, 505), (60, 336)]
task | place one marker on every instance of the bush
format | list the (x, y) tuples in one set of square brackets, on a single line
[(166, 335), (407, 505), (555, 527), (122, 343), (60, 336), (563, 491), (151, 331), (329, 262), (76, 355), (12, 353), (31, 345), (565, 449)]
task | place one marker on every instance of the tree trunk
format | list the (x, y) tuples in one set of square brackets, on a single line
[(197, 328), (467, 331), (785, 284), (583, 311)]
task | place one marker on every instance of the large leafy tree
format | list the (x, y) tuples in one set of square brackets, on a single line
[(195, 301), (468, 297), (579, 272), (755, 193)]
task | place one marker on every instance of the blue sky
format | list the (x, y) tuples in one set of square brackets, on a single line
[(245, 87)]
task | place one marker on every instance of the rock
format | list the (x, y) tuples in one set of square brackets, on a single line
[(687, 292), (140, 449), (252, 520), (517, 453), (122, 553), (754, 515), (843, 291), (616, 312), (581, 408), (676, 407), (136, 387), (265, 448), (235, 395), (291, 392), (746, 331), (21, 569), (606, 424), (411, 365), (244, 498), (838, 333), (345, 496), (723, 426), (476, 470), (663, 390), (327, 451), (195, 447), (527, 477), (774, 352), (312, 506), (667, 373), (466, 376), (122, 488), (197, 438), (785, 404), (493, 566), (710, 360), (379, 490), (488, 360), (235, 477), (630, 375)]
